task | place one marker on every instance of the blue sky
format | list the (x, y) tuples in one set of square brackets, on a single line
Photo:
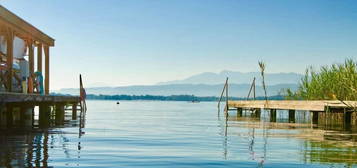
[(141, 42)]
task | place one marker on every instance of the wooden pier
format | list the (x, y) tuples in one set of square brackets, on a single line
[(308, 105), (317, 107), (24, 86), (19, 109)]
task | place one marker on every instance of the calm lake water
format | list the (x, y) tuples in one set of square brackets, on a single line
[(178, 134)]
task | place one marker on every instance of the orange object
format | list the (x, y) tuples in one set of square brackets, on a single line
[(30, 85)]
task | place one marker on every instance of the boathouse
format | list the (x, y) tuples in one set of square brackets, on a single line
[(22, 85)]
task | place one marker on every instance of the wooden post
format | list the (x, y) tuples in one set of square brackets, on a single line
[(44, 115), (347, 120), (74, 111), (257, 112), (59, 114), (26, 117), (291, 116), (10, 57), (272, 115), (1, 117), (47, 69), (239, 112), (31, 61), (9, 115), (254, 89), (227, 107), (315, 117), (39, 57)]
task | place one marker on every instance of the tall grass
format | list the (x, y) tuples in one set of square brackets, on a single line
[(334, 82), (262, 69)]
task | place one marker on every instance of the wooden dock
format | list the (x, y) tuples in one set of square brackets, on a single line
[(20, 108), (37, 99), (314, 105), (345, 108)]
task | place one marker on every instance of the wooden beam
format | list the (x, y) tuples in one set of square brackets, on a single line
[(314, 105), (39, 57), (31, 64), (22, 28), (31, 56), (47, 69), (9, 56)]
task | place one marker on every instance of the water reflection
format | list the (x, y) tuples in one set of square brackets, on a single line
[(329, 141), (29, 146)]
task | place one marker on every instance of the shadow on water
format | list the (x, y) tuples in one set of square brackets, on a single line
[(329, 141), (28, 146)]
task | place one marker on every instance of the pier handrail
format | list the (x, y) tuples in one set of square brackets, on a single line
[(252, 87), (225, 88)]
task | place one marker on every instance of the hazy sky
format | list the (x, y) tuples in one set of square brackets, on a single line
[(132, 42)]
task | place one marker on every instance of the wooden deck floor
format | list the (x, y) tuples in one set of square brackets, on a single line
[(36, 98), (319, 105)]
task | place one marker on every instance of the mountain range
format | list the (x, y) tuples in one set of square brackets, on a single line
[(211, 78), (204, 84)]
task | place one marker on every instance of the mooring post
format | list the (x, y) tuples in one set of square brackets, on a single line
[(257, 112), (347, 119), (315, 117), (44, 115), (26, 112), (9, 115), (74, 111), (22, 114), (59, 119), (272, 115), (291, 116), (239, 112)]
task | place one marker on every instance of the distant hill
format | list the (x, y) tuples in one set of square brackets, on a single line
[(236, 90), (238, 78)]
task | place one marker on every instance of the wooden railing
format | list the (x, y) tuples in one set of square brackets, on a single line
[(225, 90), (252, 88)]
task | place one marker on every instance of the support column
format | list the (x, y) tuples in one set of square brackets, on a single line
[(257, 112), (74, 111), (26, 115), (47, 69), (59, 118), (9, 57), (2, 109), (315, 117), (31, 62), (272, 115), (39, 57), (347, 120), (44, 115), (9, 116), (291, 116)]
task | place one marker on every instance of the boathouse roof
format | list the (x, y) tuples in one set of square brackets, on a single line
[(24, 29)]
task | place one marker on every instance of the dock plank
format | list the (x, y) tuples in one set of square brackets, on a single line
[(315, 105), (36, 98)]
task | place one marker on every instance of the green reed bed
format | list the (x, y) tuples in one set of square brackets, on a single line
[(334, 82)]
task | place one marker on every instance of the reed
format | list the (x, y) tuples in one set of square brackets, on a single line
[(262, 69), (334, 82)]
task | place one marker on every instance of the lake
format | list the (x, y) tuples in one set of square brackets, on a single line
[(178, 134)]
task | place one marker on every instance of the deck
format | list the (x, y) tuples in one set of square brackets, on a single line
[(36, 98), (318, 105)]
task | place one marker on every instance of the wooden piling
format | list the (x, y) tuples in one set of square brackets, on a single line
[(9, 115), (272, 115), (257, 112), (74, 111), (315, 117), (347, 120), (44, 115), (26, 115), (291, 116), (59, 118), (239, 112)]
